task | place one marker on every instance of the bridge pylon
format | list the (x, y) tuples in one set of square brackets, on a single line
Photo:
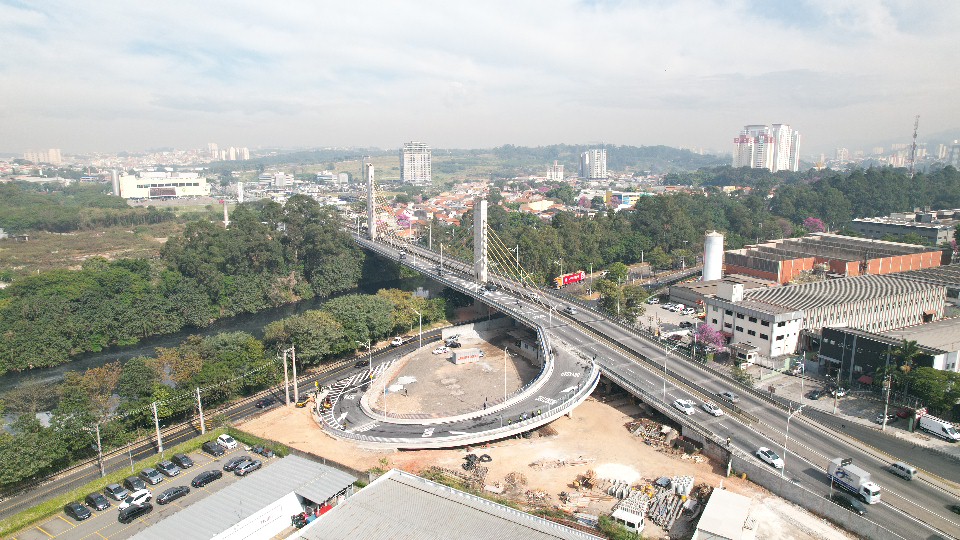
[(480, 240), (371, 204)]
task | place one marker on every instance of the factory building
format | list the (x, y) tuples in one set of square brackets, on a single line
[(162, 185), (935, 227)]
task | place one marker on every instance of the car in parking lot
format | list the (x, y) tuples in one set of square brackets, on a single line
[(265, 402), (116, 492), (729, 396), (168, 468), (653, 300), (677, 308), (815, 394), (182, 460), (77, 511), (136, 498), (850, 504), (686, 324), (214, 449), (172, 494), (688, 311), (890, 418), (151, 476), (712, 408), (839, 392), (131, 513), (132, 483), (227, 441), (248, 467), (97, 501), (235, 462), (685, 406), (206, 477), (769, 457), (441, 350)]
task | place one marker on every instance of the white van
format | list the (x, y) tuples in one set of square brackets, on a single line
[(939, 427), (903, 470)]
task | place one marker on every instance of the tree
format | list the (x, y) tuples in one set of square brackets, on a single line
[(707, 335), (634, 299), (617, 272), (906, 353), (611, 297), (75, 415), (136, 381), (316, 335), (813, 224), (99, 383), (939, 390)]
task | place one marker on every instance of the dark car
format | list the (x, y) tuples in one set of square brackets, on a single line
[(890, 418), (151, 476), (77, 511), (172, 494), (361, 364), (263, 451), (182, 460), (490, 286), (116, 492), (248, 467), (686, 324), (133, 483), (265, 402), (214, 449), (453, 344), (815, 394), (955, 508), (168, 468), (97, 501), (134, 511), (235, 462), (206, 477), (850, 504)]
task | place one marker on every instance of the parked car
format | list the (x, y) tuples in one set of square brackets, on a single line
[(182, 460), (206, 477), (132, 483), (235, 462), (685, 406), (653, 300), (688, 311), (248, 467), (151, 476), (172, 494), (712, 409), (133, 512), (674, 337), (265, 402), (214, 449), (227, 441), (168, 468), (77, 511), (361, 364), (890, 418), (839, 392), (686, 324), (136, 498), (441, 350), (97, 501), (729, 396), (116, 492), (815, 394), (769, 457), (262, 450), (453, 344), (850, 504)]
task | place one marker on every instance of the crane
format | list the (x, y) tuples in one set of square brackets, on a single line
[(913, 149)]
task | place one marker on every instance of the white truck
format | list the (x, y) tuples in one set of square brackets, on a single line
[(853, 479), (940, 428)]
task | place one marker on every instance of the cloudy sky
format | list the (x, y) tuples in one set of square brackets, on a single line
[(111, 75)]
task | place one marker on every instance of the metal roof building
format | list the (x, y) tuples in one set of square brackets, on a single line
[(403, 506), (726, 517), (258, 506)]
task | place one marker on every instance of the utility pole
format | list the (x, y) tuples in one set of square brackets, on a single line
[(296, 391), (203, 425), (886, 382), (286, 379), (99, 451), (156, 423), (430, 235), (420, 315), (786, 439)]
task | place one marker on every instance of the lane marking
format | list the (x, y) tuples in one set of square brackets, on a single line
[(65, 520), (43, 531)]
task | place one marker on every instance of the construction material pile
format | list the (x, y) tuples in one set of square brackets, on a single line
[(665, 507), (682, 484), (557, 463)]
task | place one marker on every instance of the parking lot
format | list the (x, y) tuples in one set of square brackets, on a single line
[(668, 321), (104, 524)]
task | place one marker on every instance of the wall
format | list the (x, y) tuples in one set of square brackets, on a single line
[(472, 329), (266, 523)]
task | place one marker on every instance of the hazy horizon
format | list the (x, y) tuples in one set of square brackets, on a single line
[(112, 76)]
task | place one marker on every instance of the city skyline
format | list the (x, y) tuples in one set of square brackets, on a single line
[(111, 76)]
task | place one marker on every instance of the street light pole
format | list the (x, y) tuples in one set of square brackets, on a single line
[(886, 382), (786, 439), (420, 315), (370, 356), (156, 423)]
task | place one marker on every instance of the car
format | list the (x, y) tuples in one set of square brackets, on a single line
[(396, 342), (97, 501), (850, 504), (132, 483), (206, 477), (151, 476), (570, 310), (172, 494), (653, 300), (453, 344), (686, 324), (133, 512), (674, 337), (815, 394), (227, 441), (490, 286), (890, 418), (116, 492), (361, 364), (441, 350), (905, 413), (77, 511), (265, 402), (688, 311), (235, 462), (712, 409), (168, 468), (955, 508), (403, 256), (248, 467), (685, 406), (136, 498), (729, 396), (839, 392), (262, 450), (214, 449), (667, 305), (677, 308), (182, 460), (769, 457)]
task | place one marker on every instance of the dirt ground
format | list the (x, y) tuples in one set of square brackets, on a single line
[(611, 451)]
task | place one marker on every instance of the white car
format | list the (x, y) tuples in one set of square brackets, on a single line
[(677, 308), (712, 409), (667, 306), (137, 497), (441, 350), (688, 311), (653, 300), (397, 341), (227, 441), (685, 406), (769, 457)]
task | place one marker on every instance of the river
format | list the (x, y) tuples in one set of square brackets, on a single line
[(252, 323)]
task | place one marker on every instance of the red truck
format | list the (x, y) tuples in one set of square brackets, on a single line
[(567, 279)]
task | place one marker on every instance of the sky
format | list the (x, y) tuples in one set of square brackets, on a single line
[(110, 75)]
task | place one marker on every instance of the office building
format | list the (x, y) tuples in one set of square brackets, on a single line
[(593, 164), (555, 172), (51, 156), (415, 163), (934, 227), (953, 155), (776, 148)]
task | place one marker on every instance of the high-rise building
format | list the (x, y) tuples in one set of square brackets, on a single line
[(213, 150), (555, 172), (244, 153), (953, 157), (843, 154), (51, 156), (776, 148), (415, 167), (593, 164)]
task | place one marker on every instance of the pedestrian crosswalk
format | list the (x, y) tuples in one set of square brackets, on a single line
[(341, 387)]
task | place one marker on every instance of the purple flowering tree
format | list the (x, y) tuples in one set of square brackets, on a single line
[(813, 224), (706, 334)]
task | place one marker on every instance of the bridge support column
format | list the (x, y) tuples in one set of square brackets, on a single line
[(480, 240), (371, 205)]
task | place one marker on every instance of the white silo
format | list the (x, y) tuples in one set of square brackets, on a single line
[(712, 256)]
